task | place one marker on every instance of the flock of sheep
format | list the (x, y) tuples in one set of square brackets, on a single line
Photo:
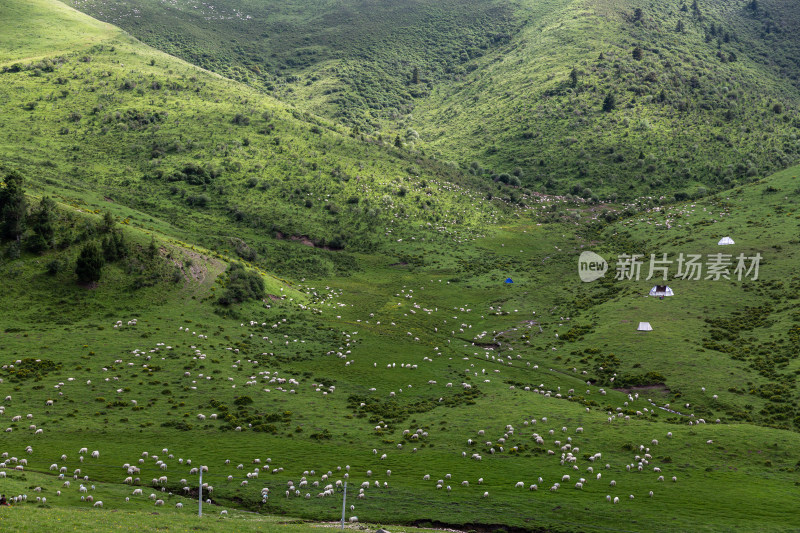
[(446, 335)]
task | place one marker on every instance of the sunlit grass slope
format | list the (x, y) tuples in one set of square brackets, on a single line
[(47, 29)]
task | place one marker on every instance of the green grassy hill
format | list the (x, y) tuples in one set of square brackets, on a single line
[(144, 131), (402, 364), (709, 101)]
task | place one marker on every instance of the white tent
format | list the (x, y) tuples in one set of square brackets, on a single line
[(725, 240), (661, 290), (644, 326)]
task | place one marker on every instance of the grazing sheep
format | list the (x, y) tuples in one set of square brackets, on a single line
[(98, 503)]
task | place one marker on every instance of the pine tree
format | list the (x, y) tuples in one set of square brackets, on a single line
[(415, 76), (108, 222), (637, 53), (89, 266), (679, 27), (152, 249), (610, 102), (573, 77), (696, 10), (13, 207), (398, 142), (114, 246), (42, 222)]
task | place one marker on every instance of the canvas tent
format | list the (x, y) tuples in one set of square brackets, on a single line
[(725, 240), (661, 290), (509, 280), (644, 326)]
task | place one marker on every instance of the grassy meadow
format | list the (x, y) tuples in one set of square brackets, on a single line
[(386, 350)]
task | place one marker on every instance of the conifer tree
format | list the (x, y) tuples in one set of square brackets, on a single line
[(89, 266), (13, 207), (610, 102), (42, 222)]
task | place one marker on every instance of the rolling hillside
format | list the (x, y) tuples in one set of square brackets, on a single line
[(385, 348), (704, 94)]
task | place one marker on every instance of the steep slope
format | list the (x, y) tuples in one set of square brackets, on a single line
[(50, 29), (205, 153), (710, 102), (698, 100), (351, 60)]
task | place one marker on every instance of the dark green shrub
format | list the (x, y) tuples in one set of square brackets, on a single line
[(89, 265), (242, 285)]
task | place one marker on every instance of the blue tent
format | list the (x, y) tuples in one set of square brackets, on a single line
[(509, 280)]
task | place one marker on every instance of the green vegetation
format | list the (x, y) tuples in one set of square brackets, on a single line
[(290, 303), (89, 265), (707, 95)]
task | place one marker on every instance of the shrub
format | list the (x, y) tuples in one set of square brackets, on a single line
[(243, 400), (55, 266), (89, 266), (240, 120), (197, 200), (242, 285)]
